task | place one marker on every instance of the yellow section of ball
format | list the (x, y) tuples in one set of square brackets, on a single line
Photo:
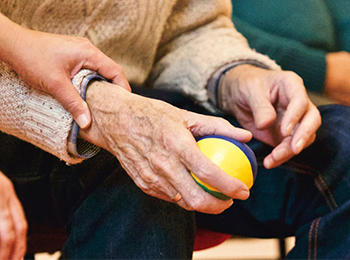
[(229, 158)]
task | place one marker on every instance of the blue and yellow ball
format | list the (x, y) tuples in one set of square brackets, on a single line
[(232, 156)]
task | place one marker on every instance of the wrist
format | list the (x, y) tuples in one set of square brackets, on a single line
[(92, 98), (78, 145), (215, 79), (228, 82), (104, 101)]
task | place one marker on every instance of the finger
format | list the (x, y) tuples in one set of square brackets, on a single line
[(150, 191), (108, 68), (211, 174), (196, 199), (296, 109), (65, 93), (179, 180), (263, 111), (7, 234), (283, 152), (306, 130), (280, 154), (149, 182), (170, 194), (20, 227), (201, 125)]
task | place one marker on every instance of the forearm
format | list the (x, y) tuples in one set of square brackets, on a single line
[(9, 38)]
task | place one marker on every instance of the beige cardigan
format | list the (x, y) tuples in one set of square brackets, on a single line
[(171, 44)]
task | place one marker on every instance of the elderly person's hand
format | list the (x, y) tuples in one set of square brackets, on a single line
[(48, 62), (155, 143), (274, 106), (13, 224)]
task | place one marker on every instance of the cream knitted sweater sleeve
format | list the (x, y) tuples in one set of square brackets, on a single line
[(34, 116), (199, 38)]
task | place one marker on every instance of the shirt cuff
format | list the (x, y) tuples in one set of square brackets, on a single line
[(213, 82), (78, 147)]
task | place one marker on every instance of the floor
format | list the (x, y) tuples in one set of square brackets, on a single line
[(234, 249), (244, 249)]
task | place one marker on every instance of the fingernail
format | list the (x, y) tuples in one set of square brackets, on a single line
[(268, 163), (289, 129), (243, 194), (82, 121), (300, 145)]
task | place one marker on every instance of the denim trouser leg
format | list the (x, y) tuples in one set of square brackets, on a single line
[(106, 215), (111, 218), (308, 197), (118, 221)]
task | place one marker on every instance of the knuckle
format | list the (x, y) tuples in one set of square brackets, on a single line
[(186, 206), (84, 42), (156, 183), (22, 228), (293, 76), (161, 166), (142, 185), (318, 115), (196, 203), (146, 189), (204, 176), (147, 176)]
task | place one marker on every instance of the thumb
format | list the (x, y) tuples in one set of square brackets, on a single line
[(68, 96)]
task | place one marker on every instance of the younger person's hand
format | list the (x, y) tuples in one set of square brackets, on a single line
[(48, 62)]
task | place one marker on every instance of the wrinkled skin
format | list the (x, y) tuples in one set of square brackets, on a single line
[(274, 106), (155, 144)]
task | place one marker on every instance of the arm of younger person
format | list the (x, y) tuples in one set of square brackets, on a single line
[(48, 62)]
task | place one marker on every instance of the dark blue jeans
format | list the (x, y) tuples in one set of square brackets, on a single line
[(108, 217), (307, 197)]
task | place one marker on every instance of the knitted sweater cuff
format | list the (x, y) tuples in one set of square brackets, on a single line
[(77, 147), (35, 116), (213, 82)]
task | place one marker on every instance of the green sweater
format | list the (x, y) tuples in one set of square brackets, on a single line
[(297, 34)]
